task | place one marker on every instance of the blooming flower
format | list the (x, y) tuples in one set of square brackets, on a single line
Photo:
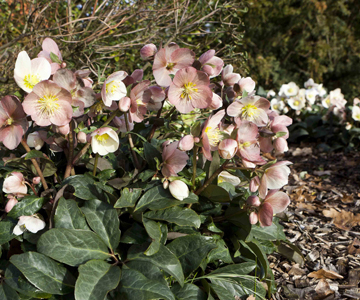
[(246, 138), (297, 103), (290, 89), (190, 90), (138, 107), (28, 73), (34, 140), (356, 113), (31, 223), (114, 88), (211, 64), (49, 46), (13, 123), (15, 184), (48, 103), (225, 176), (277, 105), (228, 77), (311, 95), (179, 190), (169, 60), (174, 160), (104, 140)]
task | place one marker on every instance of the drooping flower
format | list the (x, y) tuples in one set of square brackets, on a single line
[(174, 160), (228, 148), (114, 88), (148, 51), (49, 46), (179, 190), (153, 97), (190, 90), (31, 223), (225, 176), (104, 140), (211, 64), (15, 184), (28, 73), (81, 137), (48, 103), (246, 138), (228, 77), (34, 140), (252, 109), (169, 60), (138, 107), (13, 123)]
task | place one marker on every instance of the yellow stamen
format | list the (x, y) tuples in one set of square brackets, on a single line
[(111, 87), (249, 110), (290, 90), (102, 138), (214, 135), (170, 66), (9, 122), (296, 103), (48, 105), (31, 80), (247, 144), (188, 89)]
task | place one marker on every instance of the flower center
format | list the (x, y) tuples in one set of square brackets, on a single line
[(170, 66), (249, 110), (296, 103), (48, 104), (290, 90), (31, 80), (275, 106), (188, 89), (102, 138), (328, 101), (214, 135), (112, 86), (9, 122)]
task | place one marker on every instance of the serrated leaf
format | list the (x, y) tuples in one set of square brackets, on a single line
[(164, 259), (177, 215), (216, 193), (7, 293), (128, 198), (26, 207), (44, 273), (134, 286), (96, 279), (188, 291), (68, 215), (158, 198), (72, 247), (6, 231), (191, 250), (104, 220)]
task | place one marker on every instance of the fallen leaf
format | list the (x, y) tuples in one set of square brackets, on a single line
[(302, 151), (322, 173), (321, 274), (344, 219), (322, 289), (354, 247), (295, 270), (347, 199), (306, 206), (251, 297)]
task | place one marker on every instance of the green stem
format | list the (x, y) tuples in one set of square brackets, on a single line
[(194, 165), (136, 162), (95, 164), (71, 151), (153, 129), (170, 113), (212, 177)]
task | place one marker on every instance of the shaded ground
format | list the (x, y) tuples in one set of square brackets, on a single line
[(323, 222)]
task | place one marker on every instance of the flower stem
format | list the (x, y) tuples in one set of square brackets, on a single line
[(195, 150), (153, 129), (136, 162), (71, 151), (170, 113), (36, 165), (95, 164), (212, 177)]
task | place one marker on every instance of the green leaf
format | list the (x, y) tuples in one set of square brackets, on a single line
[(27, 207), (7, 293), (260, 255), (164, 259), (150, 153), (149, 270), (54, 58), (215, 163), (96, 279), (158, 198), (188, 291), (177, 215), (6, 231), (154, 231), (46, 274), (128, 198), (191, 250), (72, 247), (68, 215), (134, 286), (136, 234), (270, 233), (104, 220), (291, 252), (15, 279), (221, 252), (236, 269), (34, 154), (216, 193)]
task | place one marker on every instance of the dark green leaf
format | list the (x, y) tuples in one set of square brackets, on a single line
[(149, 270), (103, 219), (271, 233), (128, 198), (85, 187), (6, 231), (27, 206), (46, 274), (216, 194), (154, 231), (221, 252), (34, 154), (136, 234), (68, 215), (236, 269), (72, 247), (215, 163), (188, 292), (96, 279), (177, 215), (7, 293), (150, 153)]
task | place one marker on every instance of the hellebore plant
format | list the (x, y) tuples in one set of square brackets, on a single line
[(123, 188)]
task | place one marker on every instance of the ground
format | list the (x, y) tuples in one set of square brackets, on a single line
[(323, 222)]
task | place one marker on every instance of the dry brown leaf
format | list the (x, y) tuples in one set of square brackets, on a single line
[(295, 270), (321, 274), (354, 247), (251, 297), (347, 199), (344, 219), (302, 151), (322, 289), (306, 206)]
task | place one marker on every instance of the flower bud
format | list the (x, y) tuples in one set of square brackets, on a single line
[(148, 51), (165, 184), (81, 137), (253, 201), (247, 84), (281, 145), (36, 180), (216, 102), (254, 184), (11, 203), (124, 104), (228, 148), (253, 218), (34, 140), (186, 143), (179, 190)]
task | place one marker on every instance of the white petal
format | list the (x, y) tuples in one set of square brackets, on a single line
[(34, 224), (22, 65), (41, 67), (17, 230)]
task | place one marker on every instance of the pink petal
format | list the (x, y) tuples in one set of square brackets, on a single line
[(278, 200), (183, 58), (11, 136), (185, 76), (206, 56), (266, 214), (234, 109), (202, 98)]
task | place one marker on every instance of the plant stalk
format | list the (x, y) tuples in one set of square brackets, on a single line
[(136, 162), (95, 164), (71, 151), (212, 177)]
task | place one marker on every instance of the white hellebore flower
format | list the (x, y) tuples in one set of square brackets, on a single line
[(225, 176), (28, 73), (322, 91), (289, 90), (311, 95), (30, 223), (34, 140), (15, 184), (113, 88), (277, 105), (297, 103), (326, 102), (104, 140), (179, 190), (356, 113)]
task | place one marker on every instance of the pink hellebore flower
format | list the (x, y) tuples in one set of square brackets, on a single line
[(247, 141), (216, 102), (48, 103), (211, 135), (114, 88), (190, 90), (148, 51), (174, 160), (186, 143), (104, 140), (274, 177), (247, 84), (138, 107), (169, 60), (28, 73), (48, 46), (211, 64), (252, 108), (228, 148), (228, 77), (15, 184), (153, 98), (12, 201), (275, 202), (124, 104), (13, 123)]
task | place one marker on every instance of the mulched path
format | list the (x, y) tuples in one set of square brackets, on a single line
[(323, 222)]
